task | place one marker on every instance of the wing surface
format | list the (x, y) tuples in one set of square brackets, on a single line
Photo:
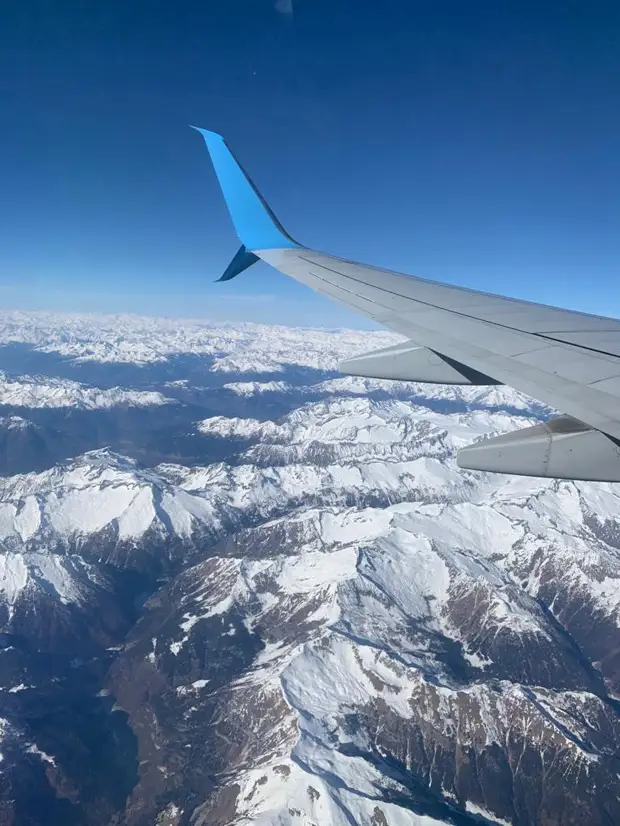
[(566, 359)]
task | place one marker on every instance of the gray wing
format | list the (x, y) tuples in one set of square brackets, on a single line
[(568, 360)]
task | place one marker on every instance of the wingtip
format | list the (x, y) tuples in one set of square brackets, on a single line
[(207, 134), (256, 225)]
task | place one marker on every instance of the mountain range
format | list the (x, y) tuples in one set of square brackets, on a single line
[(237, 588)]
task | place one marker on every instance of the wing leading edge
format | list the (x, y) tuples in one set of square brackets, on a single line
[(568, 360)]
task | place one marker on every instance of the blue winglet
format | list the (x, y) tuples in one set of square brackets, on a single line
[(242, 261), (256, 225)]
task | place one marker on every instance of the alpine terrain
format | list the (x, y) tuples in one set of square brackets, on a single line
[(239, 588)]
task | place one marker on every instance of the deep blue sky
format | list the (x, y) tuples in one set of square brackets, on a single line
[(473, 142)]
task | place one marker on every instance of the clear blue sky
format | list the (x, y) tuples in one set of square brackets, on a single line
[(473, 142)]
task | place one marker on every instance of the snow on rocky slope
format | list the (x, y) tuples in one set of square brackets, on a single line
[(452, 396), (35, 392), (343, 628), (420, 660), (339, 451), (235, 348), (351, 429)]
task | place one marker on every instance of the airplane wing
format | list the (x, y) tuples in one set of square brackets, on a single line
[(568, 360)]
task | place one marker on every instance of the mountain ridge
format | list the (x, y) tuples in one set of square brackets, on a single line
[(326, 622)]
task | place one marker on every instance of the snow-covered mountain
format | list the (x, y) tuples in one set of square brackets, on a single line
[(35, 392), (427, 659), (340, 627), (235, 348)]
